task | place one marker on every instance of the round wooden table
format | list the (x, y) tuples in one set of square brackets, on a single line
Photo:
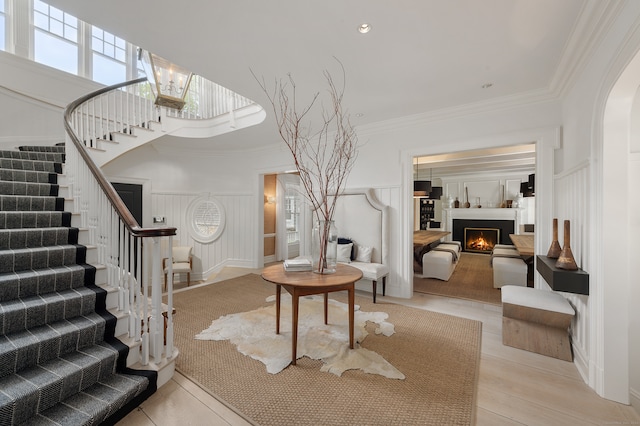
[(307, 283)]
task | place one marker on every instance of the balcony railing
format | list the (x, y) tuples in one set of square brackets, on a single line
[(206, 99)]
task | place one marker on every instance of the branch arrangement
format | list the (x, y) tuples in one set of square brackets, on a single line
[(323, 157)]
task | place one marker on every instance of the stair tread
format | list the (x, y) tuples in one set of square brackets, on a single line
[(22, 314), (33, 165), (15, 238), (100, 400), (28, 176), (87, 373), (34, 219), (36, 258)]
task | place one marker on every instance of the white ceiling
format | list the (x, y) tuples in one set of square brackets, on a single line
[(421, 55)]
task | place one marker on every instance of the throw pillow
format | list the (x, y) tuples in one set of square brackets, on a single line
[(363, 254), (342, 240), (344, 252)]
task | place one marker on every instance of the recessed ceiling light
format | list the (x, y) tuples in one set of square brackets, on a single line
[(487, 85), (364, 28), (359, 114)]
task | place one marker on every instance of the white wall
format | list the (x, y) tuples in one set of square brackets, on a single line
[(44, 92), (595, 154)]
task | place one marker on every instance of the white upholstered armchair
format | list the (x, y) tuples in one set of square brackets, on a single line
[(182, 263)]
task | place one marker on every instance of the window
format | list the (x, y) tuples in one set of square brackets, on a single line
[(55, 38), (109, 57), (206, 219), (292, 214)]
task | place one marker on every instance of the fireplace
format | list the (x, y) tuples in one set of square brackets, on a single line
[(480, 240), (460, 226)]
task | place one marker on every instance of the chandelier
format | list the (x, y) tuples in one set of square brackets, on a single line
[(421, 188), (169, 82)]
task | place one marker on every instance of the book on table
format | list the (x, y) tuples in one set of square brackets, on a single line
[(297, 265)]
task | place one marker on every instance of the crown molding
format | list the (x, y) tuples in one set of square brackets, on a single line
[(595, 20), (532, 97)]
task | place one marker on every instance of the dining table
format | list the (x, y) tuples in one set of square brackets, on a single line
[(524, 243), (427, 237)]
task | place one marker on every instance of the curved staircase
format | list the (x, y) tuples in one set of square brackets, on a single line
[(60, 361)]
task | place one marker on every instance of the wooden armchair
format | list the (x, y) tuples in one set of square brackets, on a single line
[(182, 263)]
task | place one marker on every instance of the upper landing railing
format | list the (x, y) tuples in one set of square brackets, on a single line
[(125, 108)]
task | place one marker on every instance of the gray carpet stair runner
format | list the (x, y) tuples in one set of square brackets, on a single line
[(60, 363)]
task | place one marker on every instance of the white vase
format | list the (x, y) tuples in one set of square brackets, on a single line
[(324, 247)]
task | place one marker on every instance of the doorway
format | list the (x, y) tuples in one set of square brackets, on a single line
[(131, 195)]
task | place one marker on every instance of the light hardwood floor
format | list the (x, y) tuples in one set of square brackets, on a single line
[(515, 387)]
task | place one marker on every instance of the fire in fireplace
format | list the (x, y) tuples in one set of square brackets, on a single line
[(481, 240)]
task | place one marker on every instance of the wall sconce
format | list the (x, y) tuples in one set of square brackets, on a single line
[(269, 199)]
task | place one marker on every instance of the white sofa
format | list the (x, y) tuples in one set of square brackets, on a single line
[(362, 218)]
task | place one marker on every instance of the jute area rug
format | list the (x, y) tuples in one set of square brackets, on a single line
[(472, 280), (439, 355)]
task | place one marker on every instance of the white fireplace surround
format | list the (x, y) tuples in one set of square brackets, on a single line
[(448, 215)]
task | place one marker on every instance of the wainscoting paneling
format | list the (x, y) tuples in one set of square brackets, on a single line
[(235, 247), (571, 201)]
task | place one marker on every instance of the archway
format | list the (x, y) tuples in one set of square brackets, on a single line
[(617, 331)]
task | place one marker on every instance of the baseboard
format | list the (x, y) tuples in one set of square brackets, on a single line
[(234, 263), (581, 361), (634, 397)]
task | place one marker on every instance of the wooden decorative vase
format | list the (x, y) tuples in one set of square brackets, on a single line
[(555, 249), (566, 260)]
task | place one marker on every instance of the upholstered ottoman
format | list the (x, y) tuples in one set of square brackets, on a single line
[(504, 252), (450, 245), (509, 270), (537, 321), (504, 246), (438, 264)]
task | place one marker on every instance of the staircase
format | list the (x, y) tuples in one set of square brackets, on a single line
[(60, 362)]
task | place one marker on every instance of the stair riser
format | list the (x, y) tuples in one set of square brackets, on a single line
[(29, 189), (22, 203), (26, 284)]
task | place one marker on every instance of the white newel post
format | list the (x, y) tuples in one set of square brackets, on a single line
[(169, 339), (155, 320)]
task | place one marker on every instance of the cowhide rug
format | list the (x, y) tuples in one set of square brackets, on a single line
[(254, 335)]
